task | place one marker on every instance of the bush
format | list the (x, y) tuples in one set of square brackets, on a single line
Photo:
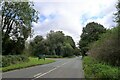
[(95, 69), (13, 59), (68, 50), (53, 56), (107, 48)]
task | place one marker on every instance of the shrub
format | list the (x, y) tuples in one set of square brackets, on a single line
[(107, 48), (95, 69), (53, 56), (13, 59)]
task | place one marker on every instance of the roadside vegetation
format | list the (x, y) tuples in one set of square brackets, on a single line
[(100, 45), (56, 45), (95, 69), (101, 51), (32, 62), (107, 48), (17, 50), (13, 59)]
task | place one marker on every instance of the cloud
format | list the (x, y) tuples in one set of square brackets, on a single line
[(70, 16)]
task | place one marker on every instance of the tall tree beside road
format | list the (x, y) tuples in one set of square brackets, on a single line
[(17, 18), (68, 39), (55, 41), (117, 19), (91, 33), (37, 46)]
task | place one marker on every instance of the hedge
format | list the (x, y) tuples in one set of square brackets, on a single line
[(94, 69), (13, 59), (107, 48), (53, 56)]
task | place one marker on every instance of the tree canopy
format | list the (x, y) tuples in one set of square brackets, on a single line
[(17, 18), (56, 43), (90, 33), (117, 15)]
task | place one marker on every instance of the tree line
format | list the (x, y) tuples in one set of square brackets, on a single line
[(100, 43), (17, 18), (56, 43)]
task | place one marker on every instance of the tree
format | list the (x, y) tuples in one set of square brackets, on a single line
[(55, 40), (90, 34), (38, 46), (77, 51), (117, 19), (59, 44), (17, 18), (67, 50), (56, 43), (69, 39), (107, 48)]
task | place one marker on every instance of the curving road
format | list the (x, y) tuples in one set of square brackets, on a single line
[(62, 68)]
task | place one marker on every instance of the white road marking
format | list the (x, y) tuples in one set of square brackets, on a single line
[(37, 74), (58, 66), (46, 73), (64, 63), (40, 75)]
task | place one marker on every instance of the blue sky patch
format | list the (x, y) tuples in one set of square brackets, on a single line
[(42, 18), (52, 16)]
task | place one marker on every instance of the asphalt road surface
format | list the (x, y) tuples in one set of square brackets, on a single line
[(62, 68)]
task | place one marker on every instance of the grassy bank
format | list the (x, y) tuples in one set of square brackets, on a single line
[(32, 62), (95, 69)]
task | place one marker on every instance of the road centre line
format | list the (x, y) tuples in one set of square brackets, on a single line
[(58, 66), (40, 75), (46, 73), (37, 74)]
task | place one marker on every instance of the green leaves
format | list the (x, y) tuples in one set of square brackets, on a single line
[(117, 14), (107, 47), (90, 34), (94, 69), (56, 43), (17, 18)]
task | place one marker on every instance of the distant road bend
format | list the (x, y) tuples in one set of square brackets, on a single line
[(62, 68)]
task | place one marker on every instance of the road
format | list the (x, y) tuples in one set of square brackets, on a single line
[(62, 68)]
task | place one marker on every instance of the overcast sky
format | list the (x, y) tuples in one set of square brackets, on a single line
[(70, 16)]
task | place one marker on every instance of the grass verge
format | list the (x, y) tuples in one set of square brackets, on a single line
[(95, 69), (32, 62)]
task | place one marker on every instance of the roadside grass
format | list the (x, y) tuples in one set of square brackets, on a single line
[(32, 62), (94, 69)]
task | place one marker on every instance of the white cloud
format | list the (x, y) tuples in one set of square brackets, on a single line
[(72, 15)]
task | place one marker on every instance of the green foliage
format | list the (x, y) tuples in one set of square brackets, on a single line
[(60, 45), (32, 62), (68, 50), (56, 44), (37, 46), (107, 48), (77, 51), (117, 14), (90, 34), (55, 41), (17, 18), (95, 69), (53, 56), (10, 60), (68, 39)]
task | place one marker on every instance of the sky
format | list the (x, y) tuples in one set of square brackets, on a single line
[(70, 16)]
